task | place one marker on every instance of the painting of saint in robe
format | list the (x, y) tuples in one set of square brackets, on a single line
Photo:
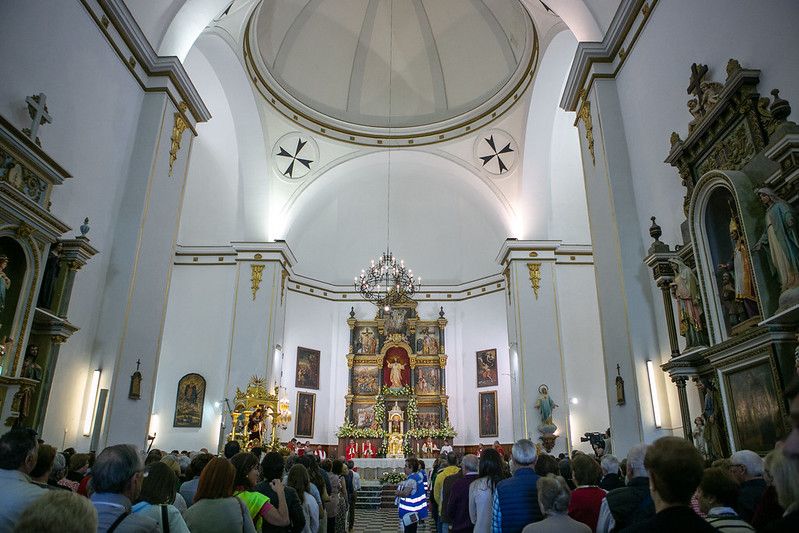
[(427, 380), (12, 275), (395, 320), (307, 372), (488, 414), (364, 415), (487, 368), (367, 341), (365, 380), (306, 405), (757, 418), (189, 402)]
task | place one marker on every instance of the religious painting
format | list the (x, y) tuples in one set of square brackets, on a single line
[(364, 415), (366, 380), (307, 373), (306, 409), (395, 320), (396, 368), (427, 340), (189, 402), (487, 368), (428, 417), (428, 380), (488, 414), (755, 407), (366, 340), (12, 275)]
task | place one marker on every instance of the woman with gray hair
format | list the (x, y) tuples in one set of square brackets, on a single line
[(553, 498)]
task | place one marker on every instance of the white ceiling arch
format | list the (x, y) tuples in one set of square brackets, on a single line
[(172, 26)]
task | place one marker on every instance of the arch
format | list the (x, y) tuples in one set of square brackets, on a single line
[(751, 216), (437, 211), (22, 312)]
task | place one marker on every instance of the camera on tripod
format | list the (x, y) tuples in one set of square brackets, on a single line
[(596, 439)]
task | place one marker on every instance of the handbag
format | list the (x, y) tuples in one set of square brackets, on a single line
[(409, 519)]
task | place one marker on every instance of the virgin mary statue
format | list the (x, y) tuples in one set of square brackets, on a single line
[(781, 237)]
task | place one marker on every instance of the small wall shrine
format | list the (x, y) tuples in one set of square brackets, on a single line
[(397, 395), (732, 290)]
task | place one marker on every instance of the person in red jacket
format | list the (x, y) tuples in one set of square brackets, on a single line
[(587, 497)]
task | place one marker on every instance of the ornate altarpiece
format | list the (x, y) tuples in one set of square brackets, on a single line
[(39, 275), (396, 359), (738, 318)]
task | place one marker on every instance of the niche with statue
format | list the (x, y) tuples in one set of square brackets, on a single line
[(731, 289)]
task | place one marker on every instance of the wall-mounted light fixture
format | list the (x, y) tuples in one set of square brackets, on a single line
[(653, 392), (90, 404)]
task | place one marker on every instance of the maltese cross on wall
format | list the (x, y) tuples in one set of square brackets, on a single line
[(294, 155), (496, 151)]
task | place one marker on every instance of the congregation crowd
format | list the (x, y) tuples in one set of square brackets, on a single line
[(664, 486)]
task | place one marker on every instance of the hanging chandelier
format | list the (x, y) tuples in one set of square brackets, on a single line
[(387, 281)]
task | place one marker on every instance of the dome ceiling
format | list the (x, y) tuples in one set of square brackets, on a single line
[(391, 71)]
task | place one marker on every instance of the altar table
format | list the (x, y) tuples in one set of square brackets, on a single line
[(372, 469)]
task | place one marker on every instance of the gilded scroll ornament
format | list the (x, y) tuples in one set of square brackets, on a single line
[(177, 133), (535, 277), (584, 114), (257, 275)]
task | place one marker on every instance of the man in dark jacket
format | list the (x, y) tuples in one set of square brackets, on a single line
[(747, 468), (628, 505), (273, 467)]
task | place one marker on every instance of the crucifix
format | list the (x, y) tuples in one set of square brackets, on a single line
[(695, 87), (37, 109)]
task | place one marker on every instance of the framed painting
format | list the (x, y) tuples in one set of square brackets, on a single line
[(366, 380), (487, 368), (428, 380), (189, 402), (307, 371), (428, 417), (487, 405), (366, 340), (427, 340), (306, 409), (364, 414), (755, 407)]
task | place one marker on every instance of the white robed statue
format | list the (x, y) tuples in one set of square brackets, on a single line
[(395, 377)]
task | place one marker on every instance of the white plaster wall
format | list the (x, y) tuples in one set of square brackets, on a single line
[(196, 339), (95, 104), (209, 206), (652, 84), (569, 209), (581, 343)]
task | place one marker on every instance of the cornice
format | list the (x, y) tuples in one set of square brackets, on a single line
[(153, 72), (630, 15)]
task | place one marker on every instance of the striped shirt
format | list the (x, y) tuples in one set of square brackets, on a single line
[(725, 519)]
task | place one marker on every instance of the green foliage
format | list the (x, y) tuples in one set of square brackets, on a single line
[(392, 478)]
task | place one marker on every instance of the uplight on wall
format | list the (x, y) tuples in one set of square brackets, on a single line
[(90, 404), (653, 392)]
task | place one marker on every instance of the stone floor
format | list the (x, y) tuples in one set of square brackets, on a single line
[(383, 521)]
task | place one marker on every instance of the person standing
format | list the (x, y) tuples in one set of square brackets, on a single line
[(610, 473), (18, 456), (411, 498), (272, 468), (355, 478), (747, 468), (516, 499), (717, 493), (481, 492), (458, 504), (628, 505), (587, 498)]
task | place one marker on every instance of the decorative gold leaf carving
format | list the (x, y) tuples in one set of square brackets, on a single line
[(535, 277), (257, 275), (177, 134), (584, 114)]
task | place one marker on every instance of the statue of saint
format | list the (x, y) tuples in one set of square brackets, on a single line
[(396, 373), (255, 425), (742, 268), (5, 281), (710, 417), (781, 237), (395, 445), (430, 343), (699, 436), (545, 405), (30, 368), (689, 304)]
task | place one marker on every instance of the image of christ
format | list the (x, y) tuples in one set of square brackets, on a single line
[(396, 373)]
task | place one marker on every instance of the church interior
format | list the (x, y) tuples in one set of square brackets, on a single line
[(399, 225)]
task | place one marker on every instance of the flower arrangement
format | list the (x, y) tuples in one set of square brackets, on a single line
[(348, 429), (392, 478), (444, 431), (412, 411), (407, 447), (380, 410), (404, 391)]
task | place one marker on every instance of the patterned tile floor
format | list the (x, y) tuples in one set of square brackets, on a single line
[(383, 521)]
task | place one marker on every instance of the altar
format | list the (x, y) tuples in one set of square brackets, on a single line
[(372, 469)]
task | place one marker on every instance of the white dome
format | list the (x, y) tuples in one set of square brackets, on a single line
[(452, 63)]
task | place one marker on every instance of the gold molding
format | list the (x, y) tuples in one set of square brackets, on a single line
[(256, 276), (283, 275), (584, 114), (177, 134), (535, 277)]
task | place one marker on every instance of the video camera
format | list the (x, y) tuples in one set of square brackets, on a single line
[(596, 439)]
